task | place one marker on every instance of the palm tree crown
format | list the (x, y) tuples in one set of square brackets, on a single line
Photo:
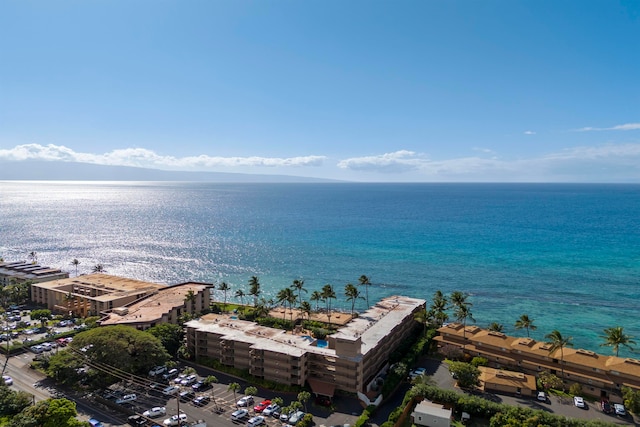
[(558, 342), (364, 281), (524, 322), (615, 337)]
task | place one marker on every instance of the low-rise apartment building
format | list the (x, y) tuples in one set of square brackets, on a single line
[(347, 360), (164, 306), (599, 375), (91, 294), (23, 272)]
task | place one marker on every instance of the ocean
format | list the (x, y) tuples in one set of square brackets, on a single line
[(567, 255)]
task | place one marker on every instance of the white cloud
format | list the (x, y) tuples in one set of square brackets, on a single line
[(529, 132), (627, 126), (141, 157), (396, 162)]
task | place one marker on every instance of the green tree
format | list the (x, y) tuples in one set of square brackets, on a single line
[(224, 287), (439, 308), (316, 296), (211, 380), (43, 315), (353, 294), (250, 391), (254, 289), (75, 263), (13, 402), (328, 293), (305, 309), (496, 327), (235, 388), (278, 401), (459, 299), (48, 413), (364, 281), (463, 313), (123, 347), (524, 322), (33, 256), (615, 337), (190, 298), (240, 294), (466, 374), (303, 397), (558, 342), (98, 268), (631, 399), (547, 380), (170, 335), (286, 296), (298, 285), (63, 367)]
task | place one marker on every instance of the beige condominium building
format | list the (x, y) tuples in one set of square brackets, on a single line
[(348, 360), (22, 272), (91, 294), (164, 306), (599, 375)]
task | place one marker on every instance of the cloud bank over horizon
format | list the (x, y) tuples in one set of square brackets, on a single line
[(603, 163)]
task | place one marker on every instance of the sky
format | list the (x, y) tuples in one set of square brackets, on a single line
[(380, 91)]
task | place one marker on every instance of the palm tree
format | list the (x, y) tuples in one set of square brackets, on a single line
[(240, 294), (210, 380), (224, 287), (615, 337), (191, 297), (298, 285), (305, 309), (234, 387), (524, 322), (364, 281), (439, 308), (328, 294), (98, 268), (75, 263), (558, 342), (33, 256), (459, 299), (496, 327), (285, 296), (353, 294), (254, 289), (303, 397), (463, 313), (261, 310), (317, 297)]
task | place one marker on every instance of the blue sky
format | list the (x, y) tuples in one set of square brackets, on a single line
[(357, 90)]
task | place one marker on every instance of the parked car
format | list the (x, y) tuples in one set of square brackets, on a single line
[(284, 416), (295, 417), (186, 395), (245, 401), (579, 402), (239, 414), (542, 396), (171, 373), (188, 380), (256, 421), (262, 405), (175, 420), (156, 411), (136, 420), (157, 371), (171, 390), (619, 409), (605, 406), (95, 423), (201, 400), (201, 385), (126, 398), (269, 410), (416, 373), (7, 380)]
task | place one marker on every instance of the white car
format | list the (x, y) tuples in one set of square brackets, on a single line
[(7, 380), (542, 396), (189, 380), (126, 398), (417, 372), (156, 411), (171, 390), (239, 414), (578, 401), (157, 371), (295, 417), (175, 420), (269, 410), (256, 421), (619, 409), (245, 401)]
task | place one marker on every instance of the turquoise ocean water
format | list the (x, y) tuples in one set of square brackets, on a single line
[(566, 255)]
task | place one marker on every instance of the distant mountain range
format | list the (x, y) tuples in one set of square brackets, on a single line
[(72, 171)]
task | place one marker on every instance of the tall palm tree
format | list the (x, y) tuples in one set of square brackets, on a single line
[(191, 297), (317, 297), (558, 342), (458, 299), (33, 256), (305, 309), (364, 281), (261, 310), (353, 294), (211, 380), (463, 313), (524, 322), (298, 285), (615, 337), (303, 397), (75, 263), (439, 308), (98, 268), (224, 287), (285, 296), (328, 293), (254, 289), (240, 294), (234, 387)]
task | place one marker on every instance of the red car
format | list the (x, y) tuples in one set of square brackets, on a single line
[(605, 405), (262, 405)]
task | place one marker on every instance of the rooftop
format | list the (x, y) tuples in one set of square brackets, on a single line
[(27, 270), (109, 287)]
